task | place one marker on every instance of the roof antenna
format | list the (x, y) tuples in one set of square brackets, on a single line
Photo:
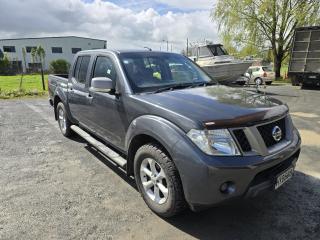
[(149, 49)]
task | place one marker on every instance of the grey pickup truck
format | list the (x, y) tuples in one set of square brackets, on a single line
[(187, 140)]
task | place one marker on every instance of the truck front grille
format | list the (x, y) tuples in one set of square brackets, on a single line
[(242, 140), (266, 132)]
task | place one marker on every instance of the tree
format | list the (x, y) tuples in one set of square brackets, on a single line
[(59, 66), (265, 24), (34, 56), (4, 65), (24, 54), (41, 54)]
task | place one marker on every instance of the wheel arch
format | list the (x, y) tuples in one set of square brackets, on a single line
[(151, 129), (56, 100), (137, 142)]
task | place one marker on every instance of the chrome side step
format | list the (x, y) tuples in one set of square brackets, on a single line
[(115, 157)]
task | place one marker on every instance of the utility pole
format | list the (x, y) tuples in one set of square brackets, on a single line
[(167, 44), (187, 47)]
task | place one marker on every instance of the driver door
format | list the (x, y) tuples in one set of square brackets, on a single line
[(106, 109)]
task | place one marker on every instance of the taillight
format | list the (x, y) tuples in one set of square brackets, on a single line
[(265, 74)]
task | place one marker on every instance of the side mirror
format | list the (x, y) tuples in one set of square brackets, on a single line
[(101, 84)]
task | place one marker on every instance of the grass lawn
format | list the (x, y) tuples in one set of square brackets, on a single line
[(31, 86), (29, 82)]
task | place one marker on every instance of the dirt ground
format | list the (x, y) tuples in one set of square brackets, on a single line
[(52, 187)]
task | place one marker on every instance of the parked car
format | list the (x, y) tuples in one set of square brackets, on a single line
[(260, 75), (187, 140)]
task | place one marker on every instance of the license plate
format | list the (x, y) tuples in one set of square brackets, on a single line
[(283, 177), (313, 77)]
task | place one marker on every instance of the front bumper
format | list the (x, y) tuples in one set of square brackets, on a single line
[(202, 175)]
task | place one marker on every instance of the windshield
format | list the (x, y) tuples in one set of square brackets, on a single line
[(151, 71), (218, 50)]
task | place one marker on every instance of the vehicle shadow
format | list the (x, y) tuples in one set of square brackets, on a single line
[(75, 137), (115, 168), (292, 212)]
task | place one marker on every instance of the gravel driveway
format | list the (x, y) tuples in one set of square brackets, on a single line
[(52, 187)]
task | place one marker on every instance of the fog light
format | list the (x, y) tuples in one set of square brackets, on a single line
[(228, 187)]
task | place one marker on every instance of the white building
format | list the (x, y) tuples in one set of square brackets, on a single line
[(55, 48)]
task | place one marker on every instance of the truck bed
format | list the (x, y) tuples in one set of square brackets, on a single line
[(54, 80)]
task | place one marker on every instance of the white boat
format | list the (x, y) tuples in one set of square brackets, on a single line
[(214, 59)]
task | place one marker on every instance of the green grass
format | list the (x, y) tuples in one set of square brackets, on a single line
[(29, 82), (31, 86)]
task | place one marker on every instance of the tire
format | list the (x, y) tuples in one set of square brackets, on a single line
[(294, 81), (153, 168), (268, 83), (63, 121), (258, 81)]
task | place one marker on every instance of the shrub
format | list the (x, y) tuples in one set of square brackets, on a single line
[(59, 66), (4, 66)]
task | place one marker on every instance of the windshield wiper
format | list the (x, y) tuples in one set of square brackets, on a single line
[(181, 86), (203, 84), (172, 87)]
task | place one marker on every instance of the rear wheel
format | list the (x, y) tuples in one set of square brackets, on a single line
[(64, 122), (258, 81), (268, 83), (158, 181)]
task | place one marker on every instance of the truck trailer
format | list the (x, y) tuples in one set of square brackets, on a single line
[(304, 64)]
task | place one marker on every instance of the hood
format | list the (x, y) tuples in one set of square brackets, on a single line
[(215, 106)]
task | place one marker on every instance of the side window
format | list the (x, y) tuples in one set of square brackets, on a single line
[(204, 52), (104, 67), (76, 69), (82, 73)]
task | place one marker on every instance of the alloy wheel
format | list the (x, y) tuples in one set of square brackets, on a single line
[(62, 120), (154, 181)]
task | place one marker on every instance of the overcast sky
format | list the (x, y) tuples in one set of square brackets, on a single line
[(123, 23)]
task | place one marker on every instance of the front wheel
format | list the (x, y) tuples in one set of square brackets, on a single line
[(158, 181), (64, 122)]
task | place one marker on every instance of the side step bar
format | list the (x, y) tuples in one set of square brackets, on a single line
[(115, 157)]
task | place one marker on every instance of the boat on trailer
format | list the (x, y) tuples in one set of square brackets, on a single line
[(216, 61)]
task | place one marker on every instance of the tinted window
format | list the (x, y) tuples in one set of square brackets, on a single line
[(9, 48), (75, 50), (104, 67), (82, 74), (56, 49), (204, 52), (29, 49)]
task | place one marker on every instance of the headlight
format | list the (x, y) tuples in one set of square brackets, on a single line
[(214, 142)]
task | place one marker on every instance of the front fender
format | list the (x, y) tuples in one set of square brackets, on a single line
[(181, 150), (164, 131)]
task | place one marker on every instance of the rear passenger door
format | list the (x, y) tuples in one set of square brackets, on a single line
[(78, 89)]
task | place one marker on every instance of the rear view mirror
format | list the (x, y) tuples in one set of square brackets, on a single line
[(101, 84)]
